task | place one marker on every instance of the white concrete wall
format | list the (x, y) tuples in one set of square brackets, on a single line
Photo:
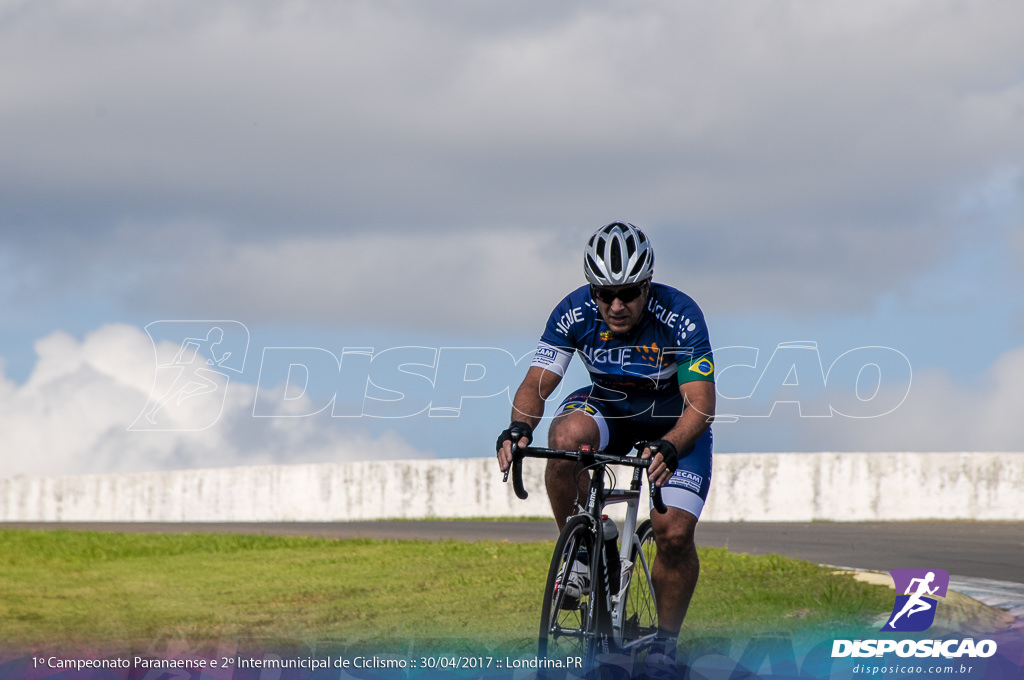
[(851, 487), (745, 487)]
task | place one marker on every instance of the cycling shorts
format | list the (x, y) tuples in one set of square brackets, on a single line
[(623, 422)]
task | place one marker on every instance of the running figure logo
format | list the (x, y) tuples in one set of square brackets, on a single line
[(194, 363), (914, 610)]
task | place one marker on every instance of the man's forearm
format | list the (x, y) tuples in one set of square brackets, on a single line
[(528, 404), (695, 419), (689, 428), (527, 407)]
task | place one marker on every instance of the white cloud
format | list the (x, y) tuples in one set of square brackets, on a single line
[(944, 411), (73, 415), (484, 281), (435, 281)]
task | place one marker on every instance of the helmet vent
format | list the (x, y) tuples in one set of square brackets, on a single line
[(640, 264), (616, 255)]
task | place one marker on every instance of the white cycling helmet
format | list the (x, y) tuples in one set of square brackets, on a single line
[(618, 254)]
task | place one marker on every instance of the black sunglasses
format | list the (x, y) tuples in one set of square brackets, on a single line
[(608, 295)]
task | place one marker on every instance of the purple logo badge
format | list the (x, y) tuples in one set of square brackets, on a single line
[(914, 610)]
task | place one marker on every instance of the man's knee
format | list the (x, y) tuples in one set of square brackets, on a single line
[(674, 535), (571, 430)]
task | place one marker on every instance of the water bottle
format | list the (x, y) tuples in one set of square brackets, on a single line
[(611, 554)]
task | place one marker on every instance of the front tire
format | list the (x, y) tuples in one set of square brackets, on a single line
[(640, 617), (568, 626)]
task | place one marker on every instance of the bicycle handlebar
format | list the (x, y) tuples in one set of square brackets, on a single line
[(583, 455)]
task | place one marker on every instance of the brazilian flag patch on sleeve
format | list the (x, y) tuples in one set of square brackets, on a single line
[(702, 368)]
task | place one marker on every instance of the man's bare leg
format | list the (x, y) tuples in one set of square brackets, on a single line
[(562, 478), (676, 567)]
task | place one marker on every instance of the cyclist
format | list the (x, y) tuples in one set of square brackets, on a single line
[(647, 350)]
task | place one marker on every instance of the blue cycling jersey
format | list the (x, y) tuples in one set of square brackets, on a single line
[(668, 346), (635, 395)]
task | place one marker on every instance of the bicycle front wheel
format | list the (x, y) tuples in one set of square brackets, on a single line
[(640, 618), (568, 624)]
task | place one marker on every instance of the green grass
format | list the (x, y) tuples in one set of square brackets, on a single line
[(88, 590)]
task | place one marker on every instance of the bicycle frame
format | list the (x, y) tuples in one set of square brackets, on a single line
[(611, 612), (631, 498)]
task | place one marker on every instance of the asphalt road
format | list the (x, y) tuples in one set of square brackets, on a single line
[(992, 550)]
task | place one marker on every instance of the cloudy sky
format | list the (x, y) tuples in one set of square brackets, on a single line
[(839, 185)]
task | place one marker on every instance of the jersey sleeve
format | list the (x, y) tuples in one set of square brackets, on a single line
[(554, 359), (700, 368), (695, 360), (558, 342)]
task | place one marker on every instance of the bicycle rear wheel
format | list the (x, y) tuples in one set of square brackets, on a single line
[(640, 618), (568, 624)]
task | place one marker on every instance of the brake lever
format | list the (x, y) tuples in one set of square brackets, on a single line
[(656, 499), (515, 445), (516, 469)]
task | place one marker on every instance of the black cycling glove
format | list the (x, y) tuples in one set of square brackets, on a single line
[(516, 431), (668, 452)]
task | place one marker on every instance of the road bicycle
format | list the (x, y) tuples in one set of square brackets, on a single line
[(619, 615)]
